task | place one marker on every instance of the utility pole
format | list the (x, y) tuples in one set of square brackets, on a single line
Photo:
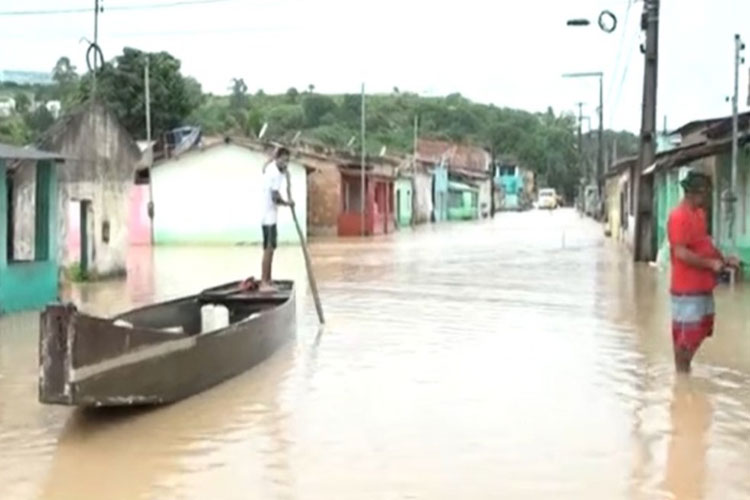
[(599, 174), (149, 148), (580, 136), (730, 197), (364, 158), (647, 153), (414, 173), (96, 44), (600, 155)]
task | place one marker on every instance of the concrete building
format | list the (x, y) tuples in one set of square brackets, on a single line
[(379, 190), (94, 189), (466, 164), (404, 200), (334, 191), (212, 195)]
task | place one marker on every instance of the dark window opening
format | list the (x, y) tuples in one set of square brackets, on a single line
[(143, 176), (352, 195), (105, 231)]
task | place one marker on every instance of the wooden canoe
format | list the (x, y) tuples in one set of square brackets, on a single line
[(158, 354)]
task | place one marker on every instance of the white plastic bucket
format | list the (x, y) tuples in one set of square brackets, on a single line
[(207, 318), (221, 317)]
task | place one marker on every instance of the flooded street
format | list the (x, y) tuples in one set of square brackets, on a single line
[(518, 358)]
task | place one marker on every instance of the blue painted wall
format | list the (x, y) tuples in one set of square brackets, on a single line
[(31, 285)]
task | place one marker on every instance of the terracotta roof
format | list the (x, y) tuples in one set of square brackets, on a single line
[(455, 155)]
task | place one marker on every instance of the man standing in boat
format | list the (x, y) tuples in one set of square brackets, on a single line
[(695, 263), (273, 176)]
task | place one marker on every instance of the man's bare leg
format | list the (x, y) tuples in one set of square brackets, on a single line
[(682, 359), (265, 281)]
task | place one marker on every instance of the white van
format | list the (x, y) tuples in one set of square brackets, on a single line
[(547, 199)]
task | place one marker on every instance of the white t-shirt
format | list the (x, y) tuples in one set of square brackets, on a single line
[(272, 180)]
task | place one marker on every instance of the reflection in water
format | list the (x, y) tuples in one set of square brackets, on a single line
[(133, 453), (690, 414), (524, 357)]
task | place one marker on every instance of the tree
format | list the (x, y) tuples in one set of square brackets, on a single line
[(120, 84), (311, 88), (39, 121), (64, 72), (194, 93), (238, 100), (66, 80), (23, 103), (13, 130), (315, 107), (292, 95)]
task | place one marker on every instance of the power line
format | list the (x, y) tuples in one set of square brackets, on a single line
[(634, 45), (80, 10), (620, 47)]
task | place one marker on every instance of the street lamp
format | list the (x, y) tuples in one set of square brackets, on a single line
[(578, 22), (600, 155), (607, 21)]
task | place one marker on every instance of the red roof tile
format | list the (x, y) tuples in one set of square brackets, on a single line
[(456, 155)]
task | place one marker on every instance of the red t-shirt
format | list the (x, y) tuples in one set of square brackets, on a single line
[(687, 227)]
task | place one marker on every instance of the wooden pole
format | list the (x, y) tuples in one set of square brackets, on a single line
[(149, 148), (305, 252), (362, 192)]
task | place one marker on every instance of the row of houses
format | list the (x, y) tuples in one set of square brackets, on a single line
[(703, 145), (89, 192)]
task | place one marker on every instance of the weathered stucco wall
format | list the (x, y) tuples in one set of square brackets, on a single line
[(324, 197), (214, 197), (423, 197), (24, 198), (101, 169), (485, 198), (109, 204)]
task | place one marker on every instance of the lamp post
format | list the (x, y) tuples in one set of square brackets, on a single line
[(600, 154)]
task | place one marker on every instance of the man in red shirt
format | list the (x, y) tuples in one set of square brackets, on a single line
[(696, 262)]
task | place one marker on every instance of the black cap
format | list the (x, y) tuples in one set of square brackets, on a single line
[(694, 181)]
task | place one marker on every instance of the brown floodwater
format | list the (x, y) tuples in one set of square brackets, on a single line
[(519, 358)]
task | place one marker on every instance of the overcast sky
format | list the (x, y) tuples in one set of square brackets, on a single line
[(507, 52)]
